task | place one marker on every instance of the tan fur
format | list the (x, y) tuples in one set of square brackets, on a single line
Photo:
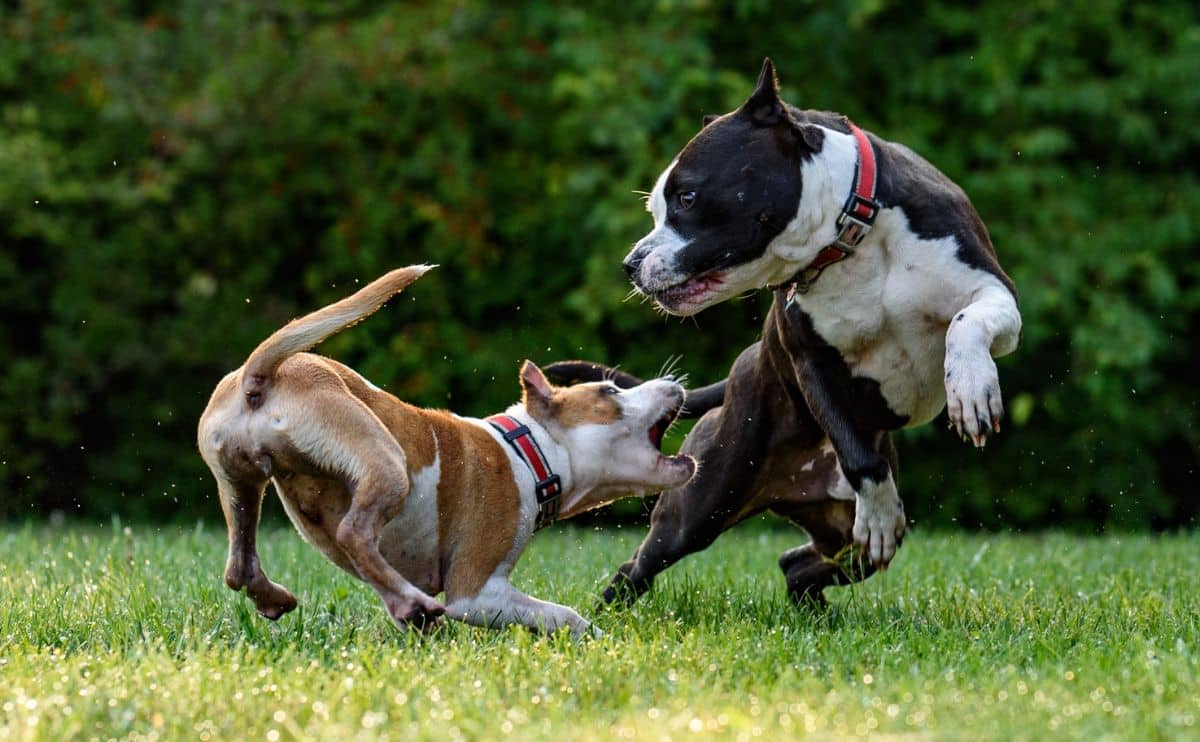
[(479, 505), (410, 501), (302, 334), (584, 405), (341, 472)]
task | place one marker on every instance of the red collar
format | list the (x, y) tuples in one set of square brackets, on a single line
[(549, 487), (855, 221)]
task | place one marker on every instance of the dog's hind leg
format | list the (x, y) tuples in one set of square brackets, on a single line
[(830, 558), (242, 504), (375, 499), (336, 428)]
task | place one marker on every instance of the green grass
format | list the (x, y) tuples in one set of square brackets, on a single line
[(120, 632)]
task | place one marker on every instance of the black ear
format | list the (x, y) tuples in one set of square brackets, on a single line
[(764, 107), (812, 135), (708, 119)]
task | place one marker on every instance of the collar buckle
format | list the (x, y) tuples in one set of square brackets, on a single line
[(548, 492), (855, 222)]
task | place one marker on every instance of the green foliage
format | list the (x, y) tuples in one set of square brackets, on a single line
[(178, 179), (131, 633)]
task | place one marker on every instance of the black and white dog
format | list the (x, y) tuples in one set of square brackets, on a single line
[(889, 304)]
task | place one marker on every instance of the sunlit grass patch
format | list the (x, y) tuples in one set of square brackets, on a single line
[(123, 631)]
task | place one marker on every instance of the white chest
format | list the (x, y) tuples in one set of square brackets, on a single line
[(886, 310)]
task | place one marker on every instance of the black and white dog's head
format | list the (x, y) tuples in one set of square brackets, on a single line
[(721, 205)]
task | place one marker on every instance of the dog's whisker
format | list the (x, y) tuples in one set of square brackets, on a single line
[(668, 365)]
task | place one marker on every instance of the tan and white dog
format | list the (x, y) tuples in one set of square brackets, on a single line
[(415, 502)]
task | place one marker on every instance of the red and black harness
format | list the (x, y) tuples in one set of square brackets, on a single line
[(857, 217), (549, 487)]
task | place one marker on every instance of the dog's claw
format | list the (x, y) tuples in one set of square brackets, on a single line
[(973, 401)]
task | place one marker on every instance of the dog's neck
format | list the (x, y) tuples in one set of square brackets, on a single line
[(575, 488), (828, 178)]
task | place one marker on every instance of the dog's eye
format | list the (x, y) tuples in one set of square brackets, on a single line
[(686, 199), (610, 389)]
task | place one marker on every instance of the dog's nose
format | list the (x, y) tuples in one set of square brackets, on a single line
[(633, 261)]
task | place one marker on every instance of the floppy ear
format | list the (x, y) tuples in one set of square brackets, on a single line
[(764, 107), (708, 119), (536, 390)]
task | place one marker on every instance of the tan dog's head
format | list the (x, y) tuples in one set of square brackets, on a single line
[(612, 435)]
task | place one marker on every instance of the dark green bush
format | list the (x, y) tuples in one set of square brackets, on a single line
[(178, 179)]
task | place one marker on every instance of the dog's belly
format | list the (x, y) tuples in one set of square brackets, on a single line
[(409, 542), (315, 505), (796, 474)]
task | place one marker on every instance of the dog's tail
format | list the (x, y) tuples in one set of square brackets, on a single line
[(696, 402), (304, 332)]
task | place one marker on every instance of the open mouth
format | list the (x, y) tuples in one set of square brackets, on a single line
[(658, 430), (691, 291)]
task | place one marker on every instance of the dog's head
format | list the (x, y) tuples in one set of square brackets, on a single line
[(612, 435), (719, 206)]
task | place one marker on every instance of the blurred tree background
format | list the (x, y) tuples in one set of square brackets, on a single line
[(179, 179)]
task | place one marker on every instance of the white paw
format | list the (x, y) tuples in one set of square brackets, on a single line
[(973, 399), (584, 630), (878, 521)]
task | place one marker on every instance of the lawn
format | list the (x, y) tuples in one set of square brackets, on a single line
[(128, 631)]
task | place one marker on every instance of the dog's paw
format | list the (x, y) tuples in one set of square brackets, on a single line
[(582, 630), (285, 602), (415, 611), (271, 599), (879, 522), (973, 399), (622, 591)]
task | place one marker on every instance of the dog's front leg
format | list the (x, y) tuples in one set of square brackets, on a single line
[(879, 521), (501, 604), (987, 327)]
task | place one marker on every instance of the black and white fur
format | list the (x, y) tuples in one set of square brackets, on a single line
[(883, 339)]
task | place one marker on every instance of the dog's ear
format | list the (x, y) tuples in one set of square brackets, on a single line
[(812, 135), (536, 390), (763, 107), (708, 119)]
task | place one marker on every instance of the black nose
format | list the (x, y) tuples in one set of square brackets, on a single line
[(631, 264)]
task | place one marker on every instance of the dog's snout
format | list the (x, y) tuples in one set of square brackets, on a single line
[(633, 261), (631, 264)]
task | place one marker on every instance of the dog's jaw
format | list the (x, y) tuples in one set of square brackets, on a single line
[(691, 296), (624, 459)]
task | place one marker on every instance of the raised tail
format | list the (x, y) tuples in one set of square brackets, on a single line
[(304, 332)]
